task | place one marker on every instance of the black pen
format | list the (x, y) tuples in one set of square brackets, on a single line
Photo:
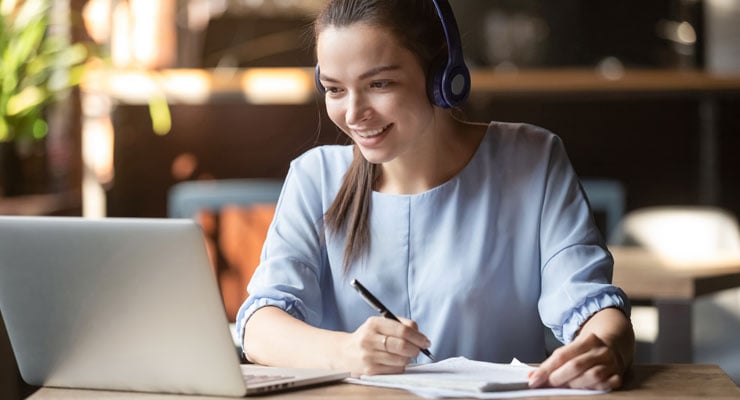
[(383, 310)]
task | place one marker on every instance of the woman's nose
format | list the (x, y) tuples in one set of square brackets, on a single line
[(357, 110)]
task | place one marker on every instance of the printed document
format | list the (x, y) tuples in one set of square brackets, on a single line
[(460, 377)]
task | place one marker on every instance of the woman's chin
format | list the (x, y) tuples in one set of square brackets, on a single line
[(374, 156)]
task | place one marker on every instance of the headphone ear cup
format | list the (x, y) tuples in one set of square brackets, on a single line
[(317, 80), (435, 85)]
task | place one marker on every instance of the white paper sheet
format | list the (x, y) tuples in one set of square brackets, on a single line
[(460, 377)]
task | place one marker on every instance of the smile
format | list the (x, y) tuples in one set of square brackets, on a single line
[(369, 134)]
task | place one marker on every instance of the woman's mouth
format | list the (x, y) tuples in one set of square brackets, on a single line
[(371, 133)]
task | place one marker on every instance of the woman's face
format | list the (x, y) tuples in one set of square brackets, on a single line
[(375, 91)]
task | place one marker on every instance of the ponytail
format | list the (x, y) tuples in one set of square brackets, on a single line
[(350, 211)]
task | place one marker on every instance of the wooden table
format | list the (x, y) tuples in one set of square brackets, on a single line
[(672, 286), (644, 382)]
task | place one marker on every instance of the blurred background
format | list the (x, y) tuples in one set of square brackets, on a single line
[(129, 98), (641, 93)]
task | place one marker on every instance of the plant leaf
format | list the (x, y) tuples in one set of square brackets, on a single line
[(40, 129), (24, 45), (159, 112), (28, 98), (30, 11)]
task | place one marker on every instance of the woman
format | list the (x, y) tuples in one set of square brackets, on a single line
[(477, 234)]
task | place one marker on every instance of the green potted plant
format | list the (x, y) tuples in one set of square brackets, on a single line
[(37, 67)]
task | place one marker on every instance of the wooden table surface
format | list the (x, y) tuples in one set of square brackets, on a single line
[(672, 286), (644, 382), (643, 275)]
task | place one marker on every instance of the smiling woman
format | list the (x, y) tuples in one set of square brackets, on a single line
[(474, 234)]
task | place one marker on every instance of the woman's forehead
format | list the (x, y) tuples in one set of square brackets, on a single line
[(356, 32), (357, 43)]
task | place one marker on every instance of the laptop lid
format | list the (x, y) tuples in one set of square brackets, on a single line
[(121, 304)]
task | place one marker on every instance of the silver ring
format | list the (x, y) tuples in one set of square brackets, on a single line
[(385, 339)]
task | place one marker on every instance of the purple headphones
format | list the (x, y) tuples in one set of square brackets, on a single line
[(449, 80)]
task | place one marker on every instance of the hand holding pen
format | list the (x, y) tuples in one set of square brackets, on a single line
[(382, 309)]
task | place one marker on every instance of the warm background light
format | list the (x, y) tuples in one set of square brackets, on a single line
[(277, 86)]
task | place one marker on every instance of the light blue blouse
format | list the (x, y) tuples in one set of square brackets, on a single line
[(480, 262)]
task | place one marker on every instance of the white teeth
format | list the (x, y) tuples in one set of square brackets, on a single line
[(376, 132)]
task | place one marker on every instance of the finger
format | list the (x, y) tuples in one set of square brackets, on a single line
[(389, 359), (409, 323), (597, 365), (377, 369), (590, 369), (399, 330), (383, 355), (409, 331), (560, 356), (598, 378), (387, 335), (384, 326), (574, 368), (401, 347), (371, 356)]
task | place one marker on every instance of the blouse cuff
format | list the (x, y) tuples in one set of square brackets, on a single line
[(567, 332), (289, 307)]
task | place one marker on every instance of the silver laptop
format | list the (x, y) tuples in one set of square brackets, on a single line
[(123, 304)]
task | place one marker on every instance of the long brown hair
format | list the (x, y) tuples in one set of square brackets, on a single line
[(416, 26)]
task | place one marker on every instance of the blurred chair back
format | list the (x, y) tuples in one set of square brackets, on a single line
[(186, 199), (607, 198), (686, 232)]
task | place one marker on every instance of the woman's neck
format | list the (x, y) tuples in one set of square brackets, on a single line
[(453, 143)]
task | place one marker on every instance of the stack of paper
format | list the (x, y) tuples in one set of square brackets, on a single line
[(461, 374), (460, 377)]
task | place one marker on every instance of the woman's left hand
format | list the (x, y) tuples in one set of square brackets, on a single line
[(586, 363)]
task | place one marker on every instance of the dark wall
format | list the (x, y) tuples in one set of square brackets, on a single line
[(729, 155), (651, 145), (258, 41), (227, 141), (577, 32)]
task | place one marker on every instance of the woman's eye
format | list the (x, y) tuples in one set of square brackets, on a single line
[(380, 84), (333, 90)]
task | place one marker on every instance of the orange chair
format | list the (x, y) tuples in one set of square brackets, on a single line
[(241, 236)]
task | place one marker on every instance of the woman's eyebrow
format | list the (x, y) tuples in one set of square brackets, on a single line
[(378, 70), (366, 74)]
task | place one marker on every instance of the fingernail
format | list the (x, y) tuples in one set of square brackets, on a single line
[(536, 379), (529, 375)]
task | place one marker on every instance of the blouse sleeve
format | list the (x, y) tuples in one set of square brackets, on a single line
[(289, 272), (576, 267)]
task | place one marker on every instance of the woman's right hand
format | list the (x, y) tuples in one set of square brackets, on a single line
[(382, 346)]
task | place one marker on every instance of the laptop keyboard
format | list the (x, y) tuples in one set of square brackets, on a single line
[(259, 379)]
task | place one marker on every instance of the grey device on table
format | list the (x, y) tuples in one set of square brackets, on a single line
[(123, 304)]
